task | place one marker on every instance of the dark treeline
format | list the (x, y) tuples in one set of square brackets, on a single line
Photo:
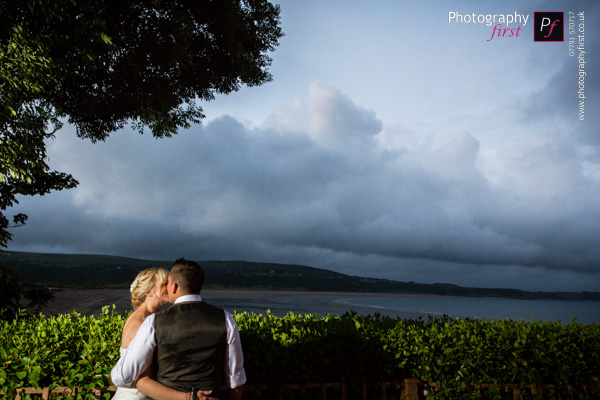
[(110, 271)]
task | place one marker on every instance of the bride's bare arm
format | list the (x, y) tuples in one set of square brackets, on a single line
[(158, 391)]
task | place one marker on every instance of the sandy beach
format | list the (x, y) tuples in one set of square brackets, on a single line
[(91, 301)]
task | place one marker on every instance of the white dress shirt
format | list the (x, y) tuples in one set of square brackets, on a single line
[(139, 354)]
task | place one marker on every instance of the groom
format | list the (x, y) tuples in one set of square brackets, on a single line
[(190, 346)]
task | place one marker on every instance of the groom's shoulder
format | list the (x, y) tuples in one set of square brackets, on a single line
[(190, 305), (194, 309), (211, 306)]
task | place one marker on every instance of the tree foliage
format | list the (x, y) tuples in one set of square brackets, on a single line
[(102, 64), (13, 291), (26, 120)]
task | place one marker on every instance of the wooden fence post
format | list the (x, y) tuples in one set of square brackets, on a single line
[(411, 389)]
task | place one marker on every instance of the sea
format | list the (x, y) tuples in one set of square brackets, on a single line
[(280, 303), (563, 311)]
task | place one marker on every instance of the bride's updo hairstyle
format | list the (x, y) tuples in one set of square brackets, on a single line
[(144, 282)]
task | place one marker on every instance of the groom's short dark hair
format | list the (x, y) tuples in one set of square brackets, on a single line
[(188, 275)]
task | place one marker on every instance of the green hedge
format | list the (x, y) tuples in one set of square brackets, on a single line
[(76, 350)]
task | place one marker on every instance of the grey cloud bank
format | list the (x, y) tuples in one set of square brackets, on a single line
[(326, 183)]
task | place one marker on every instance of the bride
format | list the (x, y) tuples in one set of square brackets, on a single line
[(148, 296)]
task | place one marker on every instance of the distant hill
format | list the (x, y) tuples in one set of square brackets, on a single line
[(70, 270)]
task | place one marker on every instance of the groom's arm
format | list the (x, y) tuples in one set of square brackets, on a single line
[(138, 357)]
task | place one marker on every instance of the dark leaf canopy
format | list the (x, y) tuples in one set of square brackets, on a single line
[(146, 61)]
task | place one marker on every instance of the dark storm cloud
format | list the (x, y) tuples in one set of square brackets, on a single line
[(308, 186)]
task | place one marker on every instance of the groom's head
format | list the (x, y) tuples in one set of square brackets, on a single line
[(185, 277)]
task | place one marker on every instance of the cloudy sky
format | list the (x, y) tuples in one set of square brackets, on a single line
[(392, 143)]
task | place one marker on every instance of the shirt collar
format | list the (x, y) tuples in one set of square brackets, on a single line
[(188, 297)]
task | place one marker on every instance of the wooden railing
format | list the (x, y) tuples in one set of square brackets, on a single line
[(415, 389), (46, 392), (408, 389), (544, 391)]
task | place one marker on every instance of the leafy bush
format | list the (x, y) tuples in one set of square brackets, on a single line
[(76, 350), (70, 350)]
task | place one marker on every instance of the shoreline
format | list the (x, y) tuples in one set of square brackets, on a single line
[(280, 303)]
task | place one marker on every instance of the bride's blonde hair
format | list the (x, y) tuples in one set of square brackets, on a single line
[(144, 282)]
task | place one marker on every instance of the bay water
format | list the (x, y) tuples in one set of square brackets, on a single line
[(489, 308)]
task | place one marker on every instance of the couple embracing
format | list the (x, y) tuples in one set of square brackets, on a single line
[(187, 351)]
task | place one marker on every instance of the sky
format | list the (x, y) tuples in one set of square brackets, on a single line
[(393, 142)]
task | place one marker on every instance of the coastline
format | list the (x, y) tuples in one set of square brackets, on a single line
[(91, 301)]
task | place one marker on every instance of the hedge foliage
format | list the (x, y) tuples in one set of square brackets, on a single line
[(77, 350)]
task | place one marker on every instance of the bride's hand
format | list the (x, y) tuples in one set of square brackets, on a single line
[(204, 395)]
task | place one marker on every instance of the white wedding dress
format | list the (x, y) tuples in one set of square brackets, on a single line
[(127, 393)]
